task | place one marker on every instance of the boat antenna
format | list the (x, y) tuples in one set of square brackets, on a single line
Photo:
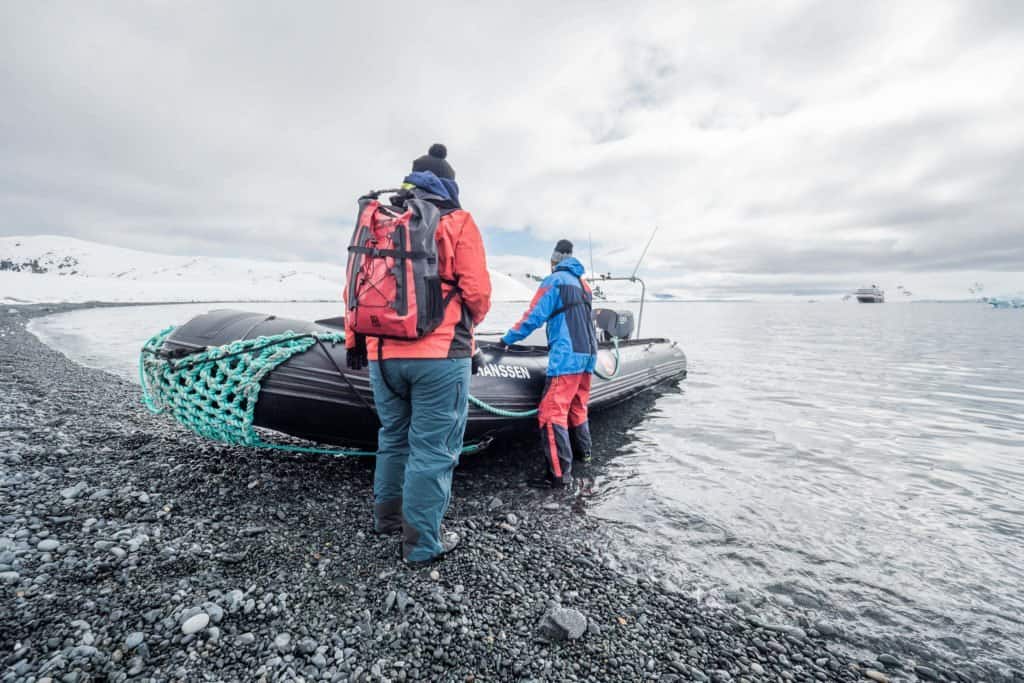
[(590, 243), (644, 253)]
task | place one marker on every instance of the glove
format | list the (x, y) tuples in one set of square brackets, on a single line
[(355, 357), (477, 360)]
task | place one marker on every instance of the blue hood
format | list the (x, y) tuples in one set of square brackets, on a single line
[(442, 187), (571, 264)]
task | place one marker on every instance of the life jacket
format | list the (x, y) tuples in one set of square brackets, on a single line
[(394, 290)]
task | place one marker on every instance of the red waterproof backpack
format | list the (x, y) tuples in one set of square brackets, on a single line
[(394, 290)]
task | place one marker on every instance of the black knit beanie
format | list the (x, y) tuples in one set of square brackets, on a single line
[(562, 250), (434, 161)]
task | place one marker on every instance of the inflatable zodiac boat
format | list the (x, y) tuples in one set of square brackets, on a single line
[(226, 371)]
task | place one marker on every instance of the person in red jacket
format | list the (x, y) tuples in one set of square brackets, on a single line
[(421, 387)]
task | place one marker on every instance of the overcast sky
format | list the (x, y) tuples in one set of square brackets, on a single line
[(799, 150)]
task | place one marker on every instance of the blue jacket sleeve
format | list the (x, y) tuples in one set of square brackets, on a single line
[(544, 302)]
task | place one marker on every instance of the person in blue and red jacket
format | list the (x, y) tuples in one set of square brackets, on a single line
[(563, 303)]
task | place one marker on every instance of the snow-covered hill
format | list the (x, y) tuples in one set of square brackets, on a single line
[(49, 268)]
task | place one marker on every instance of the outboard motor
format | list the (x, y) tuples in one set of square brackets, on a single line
[(613, 324)]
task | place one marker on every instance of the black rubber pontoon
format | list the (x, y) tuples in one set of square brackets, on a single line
[(314, 396)]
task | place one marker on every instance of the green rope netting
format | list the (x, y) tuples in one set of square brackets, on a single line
[(214, 392)]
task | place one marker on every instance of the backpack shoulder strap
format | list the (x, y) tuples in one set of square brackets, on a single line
[(563, 309)]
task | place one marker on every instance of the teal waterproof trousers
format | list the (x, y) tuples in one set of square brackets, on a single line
[(422, 409)]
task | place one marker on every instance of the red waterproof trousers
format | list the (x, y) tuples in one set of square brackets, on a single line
[(562, 414)]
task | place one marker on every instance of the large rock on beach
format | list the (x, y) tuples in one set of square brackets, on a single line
[(561, 623)]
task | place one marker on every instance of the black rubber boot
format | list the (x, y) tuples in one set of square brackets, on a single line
[(387, 516), (579, 437)]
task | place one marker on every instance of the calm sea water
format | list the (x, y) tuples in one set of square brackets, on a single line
[(861, 465)]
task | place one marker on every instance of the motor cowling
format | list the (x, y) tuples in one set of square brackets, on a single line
[(613, 324)]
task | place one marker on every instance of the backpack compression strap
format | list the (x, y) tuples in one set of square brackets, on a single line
[(393, 253)]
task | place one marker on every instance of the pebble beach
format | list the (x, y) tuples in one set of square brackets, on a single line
[(130, 549)]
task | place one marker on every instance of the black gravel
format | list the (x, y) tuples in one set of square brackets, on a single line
[(130, 548)]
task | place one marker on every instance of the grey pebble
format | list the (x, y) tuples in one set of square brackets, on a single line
[(134, 640), (234, 599), (195, 623), (72, 492), (826, 629), (245, 639), (214, 610), (283, 642), (84, 652), (404, 601), (136, 665)]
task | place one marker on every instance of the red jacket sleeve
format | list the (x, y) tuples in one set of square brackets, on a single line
[(350, 336), (471, 270)]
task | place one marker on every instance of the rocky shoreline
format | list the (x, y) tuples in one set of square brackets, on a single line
[(131, 549)]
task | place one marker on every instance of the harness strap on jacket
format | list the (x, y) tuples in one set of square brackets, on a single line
[(455, 290), (563, 309), (394, 253)]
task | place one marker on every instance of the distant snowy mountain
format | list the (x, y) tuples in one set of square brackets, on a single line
[(49, 268)]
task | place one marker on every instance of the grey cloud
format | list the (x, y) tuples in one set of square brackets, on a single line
[(815, 138), (822, 36)]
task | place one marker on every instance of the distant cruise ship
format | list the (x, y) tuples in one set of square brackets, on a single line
[(870, 295)]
